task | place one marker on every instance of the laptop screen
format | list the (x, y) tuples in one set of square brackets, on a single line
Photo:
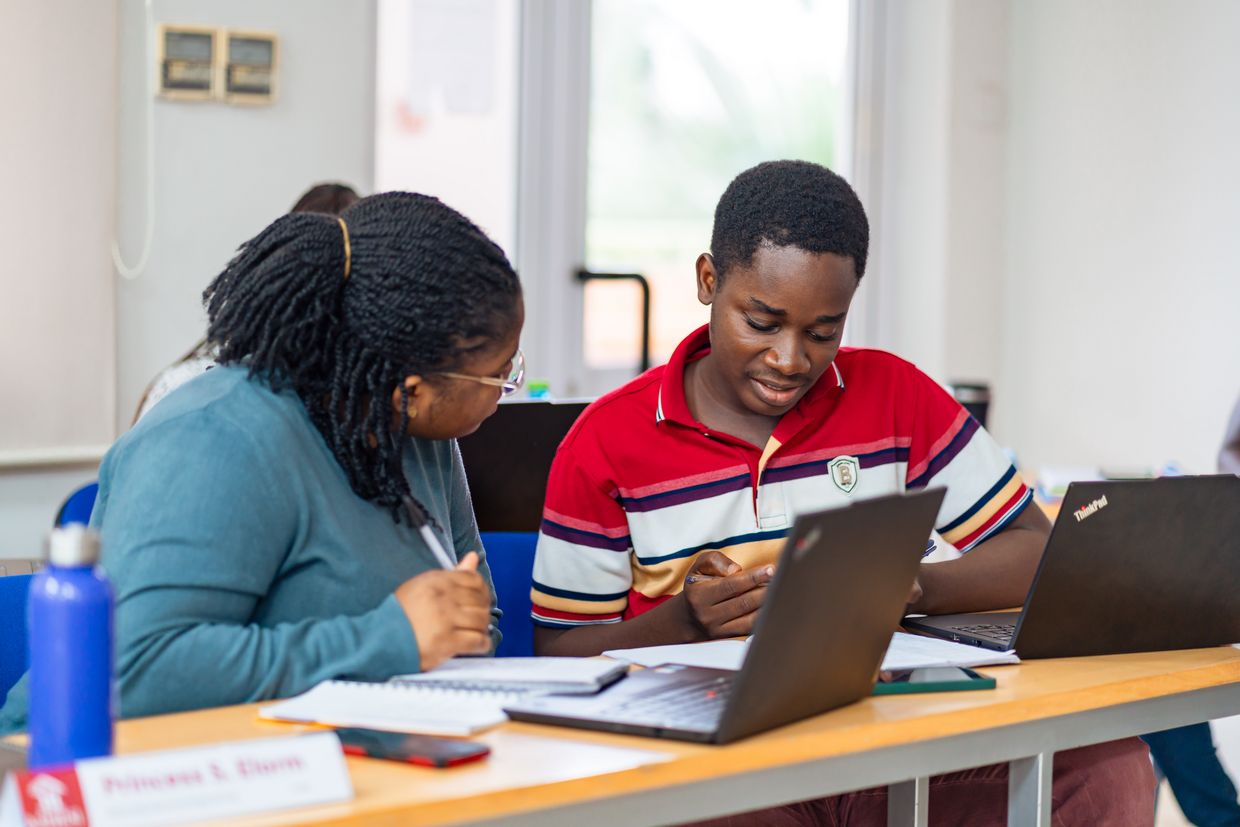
[(508, 458)]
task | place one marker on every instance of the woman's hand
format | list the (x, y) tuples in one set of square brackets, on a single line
[(450, 612), (723, 599)]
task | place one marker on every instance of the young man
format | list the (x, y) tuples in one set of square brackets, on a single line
[(669, 499)]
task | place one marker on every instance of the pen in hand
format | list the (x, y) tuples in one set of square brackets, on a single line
[(447, 607), (421, 521), (722, 599)]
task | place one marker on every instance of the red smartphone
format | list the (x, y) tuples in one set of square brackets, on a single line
[(423, 750)]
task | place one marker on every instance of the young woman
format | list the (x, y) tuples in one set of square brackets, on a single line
[(257, 523)]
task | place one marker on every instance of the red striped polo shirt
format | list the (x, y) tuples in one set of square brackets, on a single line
[(639, 487)]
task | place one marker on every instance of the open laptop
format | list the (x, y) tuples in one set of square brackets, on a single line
[(839, 589), (1131, 566)]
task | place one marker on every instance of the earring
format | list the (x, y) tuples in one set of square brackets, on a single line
[(413, 413)]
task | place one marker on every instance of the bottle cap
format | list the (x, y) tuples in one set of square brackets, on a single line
[(73, 545)]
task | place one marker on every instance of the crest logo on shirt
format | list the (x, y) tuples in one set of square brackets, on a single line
[(844, 473)]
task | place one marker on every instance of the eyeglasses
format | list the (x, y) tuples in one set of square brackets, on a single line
[(510, 385)]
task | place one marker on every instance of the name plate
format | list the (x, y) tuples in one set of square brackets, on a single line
[(177, 786)]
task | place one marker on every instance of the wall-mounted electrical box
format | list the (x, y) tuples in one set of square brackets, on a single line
[(187, 61), (250, 70)]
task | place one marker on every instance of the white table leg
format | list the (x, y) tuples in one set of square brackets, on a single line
[(908, 803), (1029, 791)]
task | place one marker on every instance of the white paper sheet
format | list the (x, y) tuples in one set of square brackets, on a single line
[(905, 652), (716, 654), (918, 652)]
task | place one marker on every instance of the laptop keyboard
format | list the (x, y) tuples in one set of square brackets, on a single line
[(1001, 633), (696, 705)]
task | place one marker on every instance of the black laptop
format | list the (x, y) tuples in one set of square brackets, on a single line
[(508, 459), (838, 592), (1131, 566)]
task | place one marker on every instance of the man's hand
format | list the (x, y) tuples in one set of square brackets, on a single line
[(450, 612), (915, 594), (722, 598)]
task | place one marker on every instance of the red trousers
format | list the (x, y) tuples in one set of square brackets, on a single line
[(1105, 785)]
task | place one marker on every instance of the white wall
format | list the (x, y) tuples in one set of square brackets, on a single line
[(936, 220), (1121, 293), (221, 173), (1058, 215)]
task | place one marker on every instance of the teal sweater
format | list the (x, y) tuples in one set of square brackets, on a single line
[(244, 565)]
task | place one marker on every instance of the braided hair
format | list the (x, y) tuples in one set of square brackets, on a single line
[(421, 282)]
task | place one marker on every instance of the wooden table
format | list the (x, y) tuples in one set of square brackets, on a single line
[(539, 775)]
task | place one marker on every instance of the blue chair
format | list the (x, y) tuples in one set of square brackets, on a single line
[(78, 505), (15, 590), (14, 658), (510, 555)]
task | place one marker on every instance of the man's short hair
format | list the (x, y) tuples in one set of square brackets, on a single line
[(789, 204)]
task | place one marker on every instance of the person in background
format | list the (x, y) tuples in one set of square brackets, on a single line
[(258, 524), (670, 497), (330, 198), (1186, 756)]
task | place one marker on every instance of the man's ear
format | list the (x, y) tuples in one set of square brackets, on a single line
[(707, 279)]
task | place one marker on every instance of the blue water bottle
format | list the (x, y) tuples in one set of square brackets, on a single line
[(70, 626)]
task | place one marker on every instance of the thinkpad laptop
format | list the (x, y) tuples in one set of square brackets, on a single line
[(839, 589), (1131, 566)]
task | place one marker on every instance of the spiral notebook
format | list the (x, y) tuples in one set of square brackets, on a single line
[(560, 676), (459, 697)]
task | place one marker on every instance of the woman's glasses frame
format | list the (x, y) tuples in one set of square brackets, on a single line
[(514, 382)]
